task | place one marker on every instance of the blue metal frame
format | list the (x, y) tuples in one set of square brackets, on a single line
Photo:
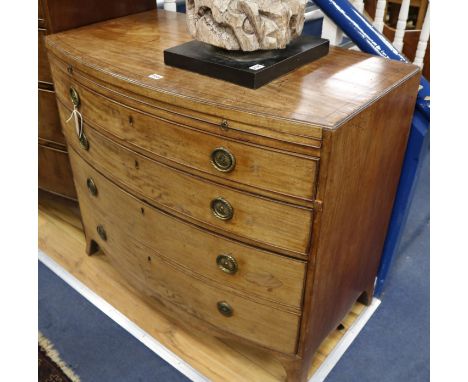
[(369, 40)]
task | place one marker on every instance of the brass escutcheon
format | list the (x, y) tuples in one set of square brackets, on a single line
[(222, 159), (224, 308), (84, 142), (91, 186), (102, 232), (222, 209), (75, 98), (224, 124), (227, 264)]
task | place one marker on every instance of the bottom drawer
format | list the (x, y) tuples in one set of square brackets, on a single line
[(159, 276), (55, 172)]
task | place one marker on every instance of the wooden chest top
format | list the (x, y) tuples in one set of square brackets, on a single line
[(324, 94)]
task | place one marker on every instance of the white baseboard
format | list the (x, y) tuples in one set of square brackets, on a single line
[(343, 344)]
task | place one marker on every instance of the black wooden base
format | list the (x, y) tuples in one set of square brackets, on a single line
[(249, 69)]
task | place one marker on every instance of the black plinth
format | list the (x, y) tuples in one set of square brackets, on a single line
[(250, 69)]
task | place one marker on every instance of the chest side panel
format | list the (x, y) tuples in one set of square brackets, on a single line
[(361, 164)]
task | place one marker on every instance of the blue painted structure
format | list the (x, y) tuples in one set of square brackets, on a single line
[(417, 145), (369, 40)]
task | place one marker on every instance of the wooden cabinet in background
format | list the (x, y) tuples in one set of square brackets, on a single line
[(44, 69), (56, 16), (50, 129), (256, 215), (55, 175)]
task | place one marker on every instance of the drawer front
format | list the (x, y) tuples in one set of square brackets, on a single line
[(156, 271), (54, 172), (255, 166), (265, 222), (44, 68), (267, 276), (49, 121)]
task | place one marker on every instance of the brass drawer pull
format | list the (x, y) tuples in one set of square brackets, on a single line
[(78, 118), (224, 308), (84, 141), (91, 186), (227, 264), (75, 98), (224, 124), (102, 232), (222, 209), (223, 160)]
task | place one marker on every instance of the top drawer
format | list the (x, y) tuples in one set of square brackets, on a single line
[(228, 160)]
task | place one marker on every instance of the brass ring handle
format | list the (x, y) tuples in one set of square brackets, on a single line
[(84, 141), (224, 308), (91, 186), (227, 264), (222, 209), (224, 124), (223, 160), (75, 98), (101, 232)]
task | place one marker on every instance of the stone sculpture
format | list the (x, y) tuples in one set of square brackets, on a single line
[(246, 25)]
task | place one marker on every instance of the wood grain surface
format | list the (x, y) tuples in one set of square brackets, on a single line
[(357, 185), (221, 360), (145, 247), (260, 274), (66, 14), (271, 135), (265, 222), (54, 172), (55, 16), (44, 74), (256, 166), (329, 137), (326, 92), (50, 128)]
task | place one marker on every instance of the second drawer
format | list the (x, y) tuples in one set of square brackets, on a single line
[(261, 221)]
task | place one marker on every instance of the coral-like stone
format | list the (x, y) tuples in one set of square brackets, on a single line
[(246, 25)]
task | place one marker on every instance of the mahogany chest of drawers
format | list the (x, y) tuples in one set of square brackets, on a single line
[(258, 215)]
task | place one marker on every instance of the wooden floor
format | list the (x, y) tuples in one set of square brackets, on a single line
[(61, 238)]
